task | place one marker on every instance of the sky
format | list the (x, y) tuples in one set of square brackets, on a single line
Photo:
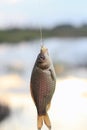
[(46, 13)]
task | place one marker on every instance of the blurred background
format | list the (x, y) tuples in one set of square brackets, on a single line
[(64, 26)]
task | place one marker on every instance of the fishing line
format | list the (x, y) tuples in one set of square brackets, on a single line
[(40, 27), (41, 36)]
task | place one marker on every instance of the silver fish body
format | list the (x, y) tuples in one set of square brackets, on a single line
[(43, 81)]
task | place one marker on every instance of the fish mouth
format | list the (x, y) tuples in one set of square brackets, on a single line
[(41, 58)]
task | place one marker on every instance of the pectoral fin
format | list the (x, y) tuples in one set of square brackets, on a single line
[(52, 74)]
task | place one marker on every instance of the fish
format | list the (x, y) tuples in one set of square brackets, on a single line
[(42, 86)]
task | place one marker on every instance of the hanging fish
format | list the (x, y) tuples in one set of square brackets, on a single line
[(43, 81)]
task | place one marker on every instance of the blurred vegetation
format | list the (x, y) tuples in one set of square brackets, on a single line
[(4, 112), (15, 35)]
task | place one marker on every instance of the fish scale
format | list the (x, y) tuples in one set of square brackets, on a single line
[(42, 83)]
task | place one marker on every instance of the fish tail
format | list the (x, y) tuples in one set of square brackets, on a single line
[(40, 122), (47, 121)]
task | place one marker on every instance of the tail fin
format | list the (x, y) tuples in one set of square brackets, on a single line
[(39, 122), (46, 120)]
